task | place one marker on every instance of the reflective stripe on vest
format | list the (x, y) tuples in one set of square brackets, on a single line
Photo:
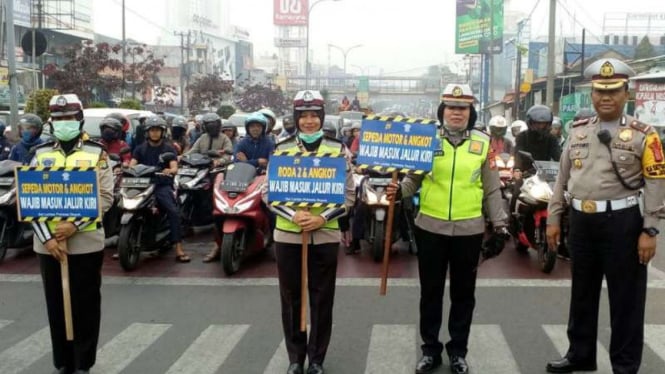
[(87, 156), (453, 190), (284, 224)]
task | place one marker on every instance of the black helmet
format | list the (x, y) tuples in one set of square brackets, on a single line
[(539, 113), (31, 120), (111, 123), (156, 121), (179, 121), (329, 129), (212, 124), (124, 122), (584, 113)]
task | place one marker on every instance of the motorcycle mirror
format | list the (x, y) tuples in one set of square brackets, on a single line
[(526, 154), (167, 157), (114, 157)]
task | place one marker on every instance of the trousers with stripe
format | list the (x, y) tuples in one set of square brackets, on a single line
[(437, 253), (85, 280), (605, 244), (322, 266)]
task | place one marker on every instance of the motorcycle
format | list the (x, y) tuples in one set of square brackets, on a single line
[(239, 215), (194, 182), (505, 164), (529, 219), (111, 219), (143, 226), (13, 233)]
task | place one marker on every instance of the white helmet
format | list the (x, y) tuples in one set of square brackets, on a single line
[(520, 125), (498, 126)]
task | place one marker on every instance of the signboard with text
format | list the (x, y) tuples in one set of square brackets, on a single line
[(53, 194), (650, 102), (479, 27), (290, 12), (306, 179), (405, 145)]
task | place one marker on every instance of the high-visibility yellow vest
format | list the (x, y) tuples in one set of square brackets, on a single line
[(286, 225), (453, 190), (85, 155)]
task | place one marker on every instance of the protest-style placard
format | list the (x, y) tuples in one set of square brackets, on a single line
[(306, 179), (397, 144), (57, 194)]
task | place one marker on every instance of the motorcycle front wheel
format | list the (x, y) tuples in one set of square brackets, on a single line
[(129, 245), (546, 258), (233, 246), (4, 237)]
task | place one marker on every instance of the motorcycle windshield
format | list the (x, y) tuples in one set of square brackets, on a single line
[(547, 170), (238, 177)]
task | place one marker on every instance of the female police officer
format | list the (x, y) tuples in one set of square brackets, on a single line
[(450, 226), (322, 224)]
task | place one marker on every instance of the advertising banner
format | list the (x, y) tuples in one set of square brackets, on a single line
[(405, 145), (650, 102), (290, 42), (290, 12), (479, 27), (571, 103), (54, 194), (306, 179)]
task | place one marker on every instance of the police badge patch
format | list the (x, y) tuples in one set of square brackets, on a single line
[(48, 162)]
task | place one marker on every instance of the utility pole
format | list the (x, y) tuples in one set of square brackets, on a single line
[(551, 50), (182, 70), (11, 61), (187, 66), (124, 46)]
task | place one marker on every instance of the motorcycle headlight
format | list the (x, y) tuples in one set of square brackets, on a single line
[(511, 163), (499, 163), (541, 191), (132, 203), (196, 180), (8, 198), (375, 197)]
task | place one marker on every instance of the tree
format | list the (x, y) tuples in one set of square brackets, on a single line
[(258, 96), (130, 104), (644, 49), (143, 68), (38, 103), (207, 92), (226, 111)]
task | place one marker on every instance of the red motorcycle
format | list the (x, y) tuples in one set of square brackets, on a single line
[(240, 218)]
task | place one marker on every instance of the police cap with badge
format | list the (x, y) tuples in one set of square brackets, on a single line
[(460, 96), (608, 74)]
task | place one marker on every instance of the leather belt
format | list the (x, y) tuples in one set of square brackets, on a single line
[(601, 206)]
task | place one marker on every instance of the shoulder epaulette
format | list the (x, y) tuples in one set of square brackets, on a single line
[(482, 134), (94, 143), (581, 122), (640, 126)]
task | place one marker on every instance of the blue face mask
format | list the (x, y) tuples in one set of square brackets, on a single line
[(310, 138), (66, 130), (26, 136)]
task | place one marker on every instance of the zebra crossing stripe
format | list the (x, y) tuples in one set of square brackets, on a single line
[(489, 351), (654, 336), (279, 361), (26, 352), (199, 358), (120, 351), (392, 349), (558, 336)]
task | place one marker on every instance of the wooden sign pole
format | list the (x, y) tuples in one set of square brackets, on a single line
[(387, 242), (303, 282), (66, 294)]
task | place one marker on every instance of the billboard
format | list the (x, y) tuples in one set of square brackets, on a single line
[(479, 27), (650, 102), (290, 42), (290, 12)]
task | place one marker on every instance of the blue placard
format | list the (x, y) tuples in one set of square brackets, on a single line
[(306, 180), (57, 194), (397, 145)]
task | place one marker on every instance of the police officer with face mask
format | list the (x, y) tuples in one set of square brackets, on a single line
[(85, 242)]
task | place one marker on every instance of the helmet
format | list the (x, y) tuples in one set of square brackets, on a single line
[(539, 113), (329, 129), (156, 121), (308, 100), (287, 123), (30, 120), (556, 122), (269, 114), (66, 105), (124, 121), (519, 124), (212, 124), (178, 127), (3, 126), (356, 125), (584, 113), (498, 126), (256, 117), (198, 118), (111, 123)]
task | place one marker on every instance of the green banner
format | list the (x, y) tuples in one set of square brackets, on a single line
[(571, 103), (479, 27)]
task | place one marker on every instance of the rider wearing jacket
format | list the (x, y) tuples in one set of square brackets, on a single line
[(111, 130), (256, 147), (213, 139), (30, 127)]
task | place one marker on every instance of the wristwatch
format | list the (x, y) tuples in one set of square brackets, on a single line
[(651, 231)]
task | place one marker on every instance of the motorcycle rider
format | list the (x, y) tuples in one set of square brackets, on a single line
[(111, 130), (85, 242), (288, 128), (30, 127), (498, 141), (5, 145), (126, 135), (537, 140), (178, 134), (557, 130), (355, 135), (272, 120), (256, 147), (322, 224), (231, 132), (148, 154), (517, 127), (213, 139)]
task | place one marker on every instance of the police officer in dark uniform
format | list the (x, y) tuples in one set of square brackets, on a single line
[(323, 226), (613, 169), (85, 243), (450, 226)]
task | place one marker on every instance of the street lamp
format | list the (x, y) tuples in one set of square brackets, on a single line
[(307, 67), (345, 52)]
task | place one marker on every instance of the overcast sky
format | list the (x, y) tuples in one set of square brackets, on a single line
[(399, 36)]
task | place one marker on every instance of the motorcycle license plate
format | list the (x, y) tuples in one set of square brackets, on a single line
[(233, 186), (187, 171), (135, 182), (6, 181), (379, 181)]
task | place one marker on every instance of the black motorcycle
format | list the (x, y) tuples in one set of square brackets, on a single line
[(13, 233), (143, 227)]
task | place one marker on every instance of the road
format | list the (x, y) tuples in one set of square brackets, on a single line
[(190, 318)]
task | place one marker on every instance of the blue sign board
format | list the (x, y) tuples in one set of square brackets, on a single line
[(306, 180), (57, 194), (405, 146)]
